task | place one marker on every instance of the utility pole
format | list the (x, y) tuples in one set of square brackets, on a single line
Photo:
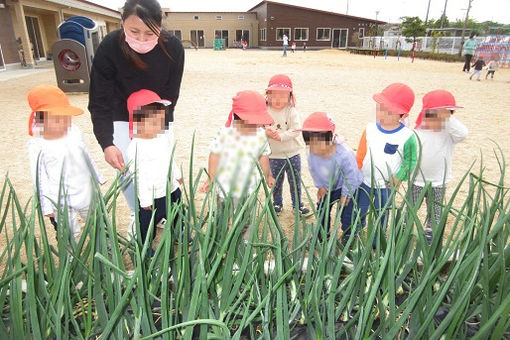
[(464, 27), (444, 13), (427, 16), (347, 11)]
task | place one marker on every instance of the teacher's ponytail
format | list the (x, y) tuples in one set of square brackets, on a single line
[(149, 11)]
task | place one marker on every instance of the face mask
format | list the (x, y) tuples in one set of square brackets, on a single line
[(141, 47)]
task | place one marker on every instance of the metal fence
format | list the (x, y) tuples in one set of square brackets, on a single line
[(450, 45)]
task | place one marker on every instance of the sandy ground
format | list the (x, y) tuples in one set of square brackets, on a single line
[(331, 81)]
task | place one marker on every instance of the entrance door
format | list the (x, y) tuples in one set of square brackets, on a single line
[(34, 34), (340, 36), (222, 34), (243, 35), (197, 36)]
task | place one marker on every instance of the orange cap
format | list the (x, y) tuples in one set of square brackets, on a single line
[(50, 99)]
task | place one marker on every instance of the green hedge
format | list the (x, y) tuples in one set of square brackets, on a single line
[(451, 58)]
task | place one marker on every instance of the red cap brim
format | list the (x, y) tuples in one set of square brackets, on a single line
[(381, 99)]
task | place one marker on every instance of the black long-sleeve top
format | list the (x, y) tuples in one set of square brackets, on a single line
[(113, 78)]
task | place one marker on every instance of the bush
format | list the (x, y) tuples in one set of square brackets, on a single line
[(451, 58), (221, 287)]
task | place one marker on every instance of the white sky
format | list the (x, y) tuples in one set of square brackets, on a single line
[(389, 10)]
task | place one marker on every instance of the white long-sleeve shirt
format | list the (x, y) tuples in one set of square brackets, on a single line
[(437, 152), (153, 158), (66, 158)]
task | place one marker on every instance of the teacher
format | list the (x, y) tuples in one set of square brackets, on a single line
[(139, 56)]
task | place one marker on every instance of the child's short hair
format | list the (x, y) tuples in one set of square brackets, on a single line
[(322, 135), (144, 111)]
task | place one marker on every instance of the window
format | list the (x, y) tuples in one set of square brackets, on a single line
[(301, 34), (280, 32), (196, 17), (323, 34), (262, 34), (177, 33), (240, 17), (361, 32), (218, 17)]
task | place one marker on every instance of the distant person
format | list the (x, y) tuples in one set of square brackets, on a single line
[(138, 56), (469, 50), (492, 67), (304, 47), (477, 68), (438, 131), (285, 44), (59, 159), (293, 47), (285, 142)]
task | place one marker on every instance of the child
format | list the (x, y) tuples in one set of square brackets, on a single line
[(333, 168), (58, 152), (237, 147), (285, 142), (387, 150), (477, 68), (150, 156), (293, 47), (492, 67), (438, 130)]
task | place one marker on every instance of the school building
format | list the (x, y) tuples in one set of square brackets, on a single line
[(31, 25), (316, 28), (265, 24), (201, 28)]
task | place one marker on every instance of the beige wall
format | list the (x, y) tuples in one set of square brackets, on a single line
[(50, 15), (185, 22)]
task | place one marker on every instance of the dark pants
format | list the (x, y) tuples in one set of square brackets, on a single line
[(380, 197), (325, 217), (278, 169), (491, 73), (467, 62), (159, 206)]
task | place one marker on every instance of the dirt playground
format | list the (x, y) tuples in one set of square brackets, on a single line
[(331, 81)]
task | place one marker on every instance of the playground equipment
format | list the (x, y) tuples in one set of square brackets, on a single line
[(495, 47), (73, 53)]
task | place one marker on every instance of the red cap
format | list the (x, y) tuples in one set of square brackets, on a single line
[(250, 106), (437, 99), (318, 122), (141, 98), (279, 82), (397, 98), (50, 99)]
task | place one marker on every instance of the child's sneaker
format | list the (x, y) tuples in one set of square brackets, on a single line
[(277, 208), (304, 211)]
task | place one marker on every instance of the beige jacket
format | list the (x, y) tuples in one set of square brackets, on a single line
[(286, 121)]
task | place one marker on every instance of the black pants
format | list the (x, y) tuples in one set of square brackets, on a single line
[(467, 62), (491, 73), (159, 206)]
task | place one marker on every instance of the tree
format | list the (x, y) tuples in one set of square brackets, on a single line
[(412, 27)]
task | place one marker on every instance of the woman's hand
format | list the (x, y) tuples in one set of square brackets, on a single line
[(113, 156)]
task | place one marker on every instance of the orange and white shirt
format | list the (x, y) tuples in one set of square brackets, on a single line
[(383, 154)]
